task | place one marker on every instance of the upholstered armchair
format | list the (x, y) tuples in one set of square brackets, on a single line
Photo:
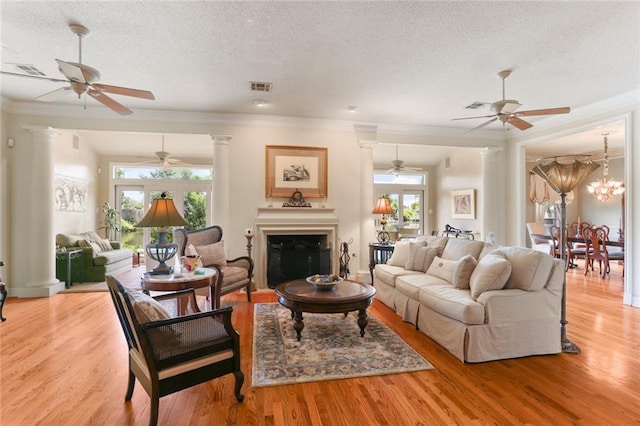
[(235, 274), (168, 352)]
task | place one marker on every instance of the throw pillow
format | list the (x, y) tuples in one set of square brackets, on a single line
[(423, 258), (85, 243), (442, 268), (413, 249), (491, 273), (212, 254), (400, 254), (462, 273), (146, 308), (456, 272), (104, 245)]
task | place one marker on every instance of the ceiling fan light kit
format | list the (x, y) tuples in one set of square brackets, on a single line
[(82, 79), (506, 110)]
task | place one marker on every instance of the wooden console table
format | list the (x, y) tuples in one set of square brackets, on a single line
[(207, 278), (378, 253)]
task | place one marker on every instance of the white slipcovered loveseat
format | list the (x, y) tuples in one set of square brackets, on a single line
[(480, 301)]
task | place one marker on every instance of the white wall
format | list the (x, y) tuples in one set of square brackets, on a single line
[(79, 162), (465, 172)]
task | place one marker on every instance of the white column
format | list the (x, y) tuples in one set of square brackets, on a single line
[(38, 236), (489, 219), (220, 200), (366, 200)]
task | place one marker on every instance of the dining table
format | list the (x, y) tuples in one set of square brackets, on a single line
[(574, 239)]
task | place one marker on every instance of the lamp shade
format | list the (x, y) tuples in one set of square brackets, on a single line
[(161, 214), (565, 172), (383, 206)]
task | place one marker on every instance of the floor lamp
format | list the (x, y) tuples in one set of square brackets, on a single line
[(563, 174)]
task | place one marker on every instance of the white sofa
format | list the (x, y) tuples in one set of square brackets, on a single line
[(481, 302)]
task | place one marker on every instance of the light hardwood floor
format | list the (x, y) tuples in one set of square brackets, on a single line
[(64, 362)]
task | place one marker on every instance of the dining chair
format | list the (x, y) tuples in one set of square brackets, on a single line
[(572, 252), (596, 238)]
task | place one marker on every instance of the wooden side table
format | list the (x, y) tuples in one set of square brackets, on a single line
[(378, 253)]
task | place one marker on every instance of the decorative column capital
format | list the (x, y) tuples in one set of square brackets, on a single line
[(489, 150), (221, 139), (46, 131)]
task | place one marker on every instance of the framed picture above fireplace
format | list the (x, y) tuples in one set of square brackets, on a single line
[(291, 168)]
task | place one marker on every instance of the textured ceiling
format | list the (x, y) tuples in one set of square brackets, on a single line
[(405, 63)]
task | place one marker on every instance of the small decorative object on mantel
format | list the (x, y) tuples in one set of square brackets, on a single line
[(296, 200)]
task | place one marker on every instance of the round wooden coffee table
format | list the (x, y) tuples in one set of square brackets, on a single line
[(347, 296)]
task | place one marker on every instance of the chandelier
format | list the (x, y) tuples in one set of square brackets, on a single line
[(605, 188)]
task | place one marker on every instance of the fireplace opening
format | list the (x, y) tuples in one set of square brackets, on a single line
[(290, 257)]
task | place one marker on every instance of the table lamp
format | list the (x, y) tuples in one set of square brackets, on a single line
[(563, 174), (162, 213), (383, 207)]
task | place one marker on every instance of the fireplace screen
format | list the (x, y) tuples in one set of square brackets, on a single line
[(290, 257)]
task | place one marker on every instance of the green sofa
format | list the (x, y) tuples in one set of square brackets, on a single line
[(94, 262)]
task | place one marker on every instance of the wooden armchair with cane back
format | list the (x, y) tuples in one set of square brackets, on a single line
[(207, 243), (169, 353)]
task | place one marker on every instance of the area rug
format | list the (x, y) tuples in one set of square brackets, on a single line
[(330, 348)]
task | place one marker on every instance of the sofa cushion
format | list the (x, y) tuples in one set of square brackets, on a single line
[(86, 243), (488, 249), (456, 272), (530, 269), (452, 302), (91, 236), (68, 240), (491, 273), (410, 285), (104, 245), (422, 259), (438, 242), (400, 254), (413, 248), (457, 248), (388, 273), (212, 254), (112, 256), (233, 275)]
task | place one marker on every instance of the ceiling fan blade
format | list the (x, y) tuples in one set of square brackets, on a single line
[(118, 90), (470, 118), (519, 123), (547, 111), (108, 102), (486, 123), (54, 94), (57, 80), (71, 71)]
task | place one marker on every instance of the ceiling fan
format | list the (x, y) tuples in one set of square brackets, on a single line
[(165, 160), (83, 79), (398, 168), (506, 110)]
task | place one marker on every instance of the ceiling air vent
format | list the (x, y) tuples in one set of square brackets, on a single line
[(260, 86), (29, 69), (476, 105)]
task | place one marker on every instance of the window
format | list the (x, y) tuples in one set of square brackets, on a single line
[(407, 194), (135, 187)]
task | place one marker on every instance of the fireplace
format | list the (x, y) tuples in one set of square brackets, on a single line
[(288, 226), (296, 256)]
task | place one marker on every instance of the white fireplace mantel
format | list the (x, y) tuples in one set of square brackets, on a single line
[(292, 221)]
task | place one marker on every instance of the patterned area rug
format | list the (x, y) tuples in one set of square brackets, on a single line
[(330, 348)]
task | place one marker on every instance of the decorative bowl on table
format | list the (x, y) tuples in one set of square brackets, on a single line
[(324, 282)]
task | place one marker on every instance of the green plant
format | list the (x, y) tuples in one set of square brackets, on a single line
[(111, 223)]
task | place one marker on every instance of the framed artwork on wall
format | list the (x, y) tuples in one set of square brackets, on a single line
[(463, 204), (295, 168), (70, 193)]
